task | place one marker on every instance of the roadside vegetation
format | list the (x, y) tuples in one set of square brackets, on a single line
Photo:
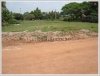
[(74, 16), (45, 26)]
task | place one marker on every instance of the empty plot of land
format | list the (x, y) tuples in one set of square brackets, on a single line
[(59, 57)]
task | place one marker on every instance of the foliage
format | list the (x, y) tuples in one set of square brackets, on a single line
[(6, 15), (14, 21), (28, 16), (18, 16), (44, 15), (86, 11), (53, 15), (37, 13)]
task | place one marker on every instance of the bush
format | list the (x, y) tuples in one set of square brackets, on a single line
[(67, 18), (5, 23), (13, 21), (93, 18), (90, 18), (18, 16), (29, 17)]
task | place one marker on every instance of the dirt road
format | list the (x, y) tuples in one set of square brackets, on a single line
[(74, 56)]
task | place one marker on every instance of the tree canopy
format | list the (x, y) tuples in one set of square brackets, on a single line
[(85, 11)]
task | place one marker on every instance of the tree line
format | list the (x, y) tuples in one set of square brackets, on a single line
[(85, 12)]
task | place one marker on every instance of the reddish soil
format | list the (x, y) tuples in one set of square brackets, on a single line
[(59, 57)]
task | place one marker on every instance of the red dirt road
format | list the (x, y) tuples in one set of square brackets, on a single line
[(69, 57)]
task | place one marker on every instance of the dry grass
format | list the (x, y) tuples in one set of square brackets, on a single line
[(39, 36)]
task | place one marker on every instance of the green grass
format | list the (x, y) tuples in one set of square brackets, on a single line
[(45, 26)]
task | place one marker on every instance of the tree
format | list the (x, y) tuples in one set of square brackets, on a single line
[(85, 11), (44, 15), (18, 16), (53, 15), (72, 9), (94, 11), (28, 16), (3, 5), (37, 13), (6, 15)]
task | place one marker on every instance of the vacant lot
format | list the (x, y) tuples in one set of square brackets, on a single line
[(44, 25), (75, 56)]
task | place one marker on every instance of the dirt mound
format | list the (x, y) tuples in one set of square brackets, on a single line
[(39, 36)]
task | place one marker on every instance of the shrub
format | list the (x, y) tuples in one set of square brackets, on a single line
[(13, 21), (5, 23), (29, 17), (18, 16)]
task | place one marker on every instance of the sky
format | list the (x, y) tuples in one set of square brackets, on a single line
[(45, 6)]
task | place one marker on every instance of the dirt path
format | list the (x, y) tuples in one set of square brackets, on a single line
[(75, 56)]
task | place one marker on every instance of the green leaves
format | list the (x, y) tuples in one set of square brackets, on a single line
[(37, 13), (77, 10)]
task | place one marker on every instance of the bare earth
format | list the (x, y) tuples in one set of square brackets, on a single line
[(59, 57)]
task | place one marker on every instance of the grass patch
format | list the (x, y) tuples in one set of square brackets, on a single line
[(45, 26)]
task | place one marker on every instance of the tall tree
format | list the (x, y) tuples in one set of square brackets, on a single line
[(85, 11), (37, 13), (6, 15)]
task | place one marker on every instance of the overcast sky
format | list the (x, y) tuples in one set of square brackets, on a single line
[(21, 7)]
